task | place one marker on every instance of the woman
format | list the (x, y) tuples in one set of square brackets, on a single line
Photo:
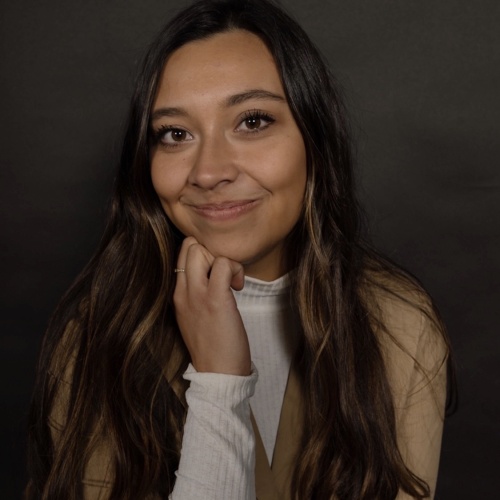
[(233, 317)]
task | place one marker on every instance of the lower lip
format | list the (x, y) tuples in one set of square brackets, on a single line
[(226, 213)]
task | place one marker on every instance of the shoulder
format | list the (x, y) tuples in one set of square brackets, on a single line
[(411, 335)]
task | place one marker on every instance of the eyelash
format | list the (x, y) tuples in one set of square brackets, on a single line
[(157, 135), (254, 114), (260, 115)]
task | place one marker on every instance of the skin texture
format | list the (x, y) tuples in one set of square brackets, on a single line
[(229, 166)]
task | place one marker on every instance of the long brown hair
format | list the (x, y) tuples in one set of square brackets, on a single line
[(114, 331)]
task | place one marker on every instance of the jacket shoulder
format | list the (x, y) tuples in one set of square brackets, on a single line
[(411, 335)]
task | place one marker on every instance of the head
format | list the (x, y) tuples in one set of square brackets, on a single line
[(311, 97)]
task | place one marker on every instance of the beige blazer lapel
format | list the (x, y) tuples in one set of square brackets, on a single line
[(273, 483), (289, 436), (265, 487)]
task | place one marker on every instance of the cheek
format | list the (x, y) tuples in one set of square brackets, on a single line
[(287, 170), (165, 179), (168, 182), (164, 186)]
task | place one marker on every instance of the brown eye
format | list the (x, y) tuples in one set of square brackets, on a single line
[(178, 135), (254, 122), (170, 136)]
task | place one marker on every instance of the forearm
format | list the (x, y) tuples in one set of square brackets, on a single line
[(218, 448)]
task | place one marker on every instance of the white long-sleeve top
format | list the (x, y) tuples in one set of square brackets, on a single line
[(218, 447)]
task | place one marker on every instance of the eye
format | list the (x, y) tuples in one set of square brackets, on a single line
[(255, 121), (171, 136)]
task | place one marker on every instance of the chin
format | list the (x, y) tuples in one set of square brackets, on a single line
[(262, 263), (231, 251)]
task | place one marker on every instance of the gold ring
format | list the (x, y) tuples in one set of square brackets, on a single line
[(179, 270)]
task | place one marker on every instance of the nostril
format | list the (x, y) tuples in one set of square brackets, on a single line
[(213, 166)]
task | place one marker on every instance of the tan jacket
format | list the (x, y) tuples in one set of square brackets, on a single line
[(415, 357)]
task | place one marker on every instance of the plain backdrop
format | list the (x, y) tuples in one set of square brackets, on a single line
[(422, 81)]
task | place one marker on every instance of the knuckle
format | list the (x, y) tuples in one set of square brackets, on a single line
[(177, 300), (222, 262), (212, 302), (189, 240), (193, 249)]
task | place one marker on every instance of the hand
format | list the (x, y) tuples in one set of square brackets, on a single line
[(207, 313)]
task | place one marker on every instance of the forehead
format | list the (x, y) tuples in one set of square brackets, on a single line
[(215, 67)]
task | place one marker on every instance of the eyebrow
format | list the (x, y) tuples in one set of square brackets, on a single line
[(162, 112), (252, 94), (232, 100)]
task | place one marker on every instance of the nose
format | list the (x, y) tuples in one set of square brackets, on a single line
[(214, 163)]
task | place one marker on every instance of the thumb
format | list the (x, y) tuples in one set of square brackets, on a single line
[(238, 278), (226, 271)]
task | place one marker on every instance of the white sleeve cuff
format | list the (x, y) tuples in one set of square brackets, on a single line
[(218, 447)]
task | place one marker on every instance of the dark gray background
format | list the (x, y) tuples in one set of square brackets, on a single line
[(422, 80)]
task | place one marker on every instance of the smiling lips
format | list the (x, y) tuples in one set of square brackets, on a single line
[(224, 211)]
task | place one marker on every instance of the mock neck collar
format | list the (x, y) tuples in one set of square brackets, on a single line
[(269, 294)]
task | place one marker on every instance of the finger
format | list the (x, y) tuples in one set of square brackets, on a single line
[(198, 265), (193, 264), (180, 269), (182, 257), (226, 273)]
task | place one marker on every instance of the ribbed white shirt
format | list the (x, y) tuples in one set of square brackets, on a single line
[(218, 447)]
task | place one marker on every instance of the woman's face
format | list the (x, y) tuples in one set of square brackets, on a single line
[(228, 161)]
